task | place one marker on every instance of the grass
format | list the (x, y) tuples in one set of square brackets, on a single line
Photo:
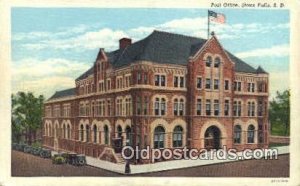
[(278, 129), (36, 144), (277, 145)]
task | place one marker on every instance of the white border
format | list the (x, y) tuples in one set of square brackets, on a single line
[(5, 87)]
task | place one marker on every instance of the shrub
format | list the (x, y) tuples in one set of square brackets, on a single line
[(58, 159)]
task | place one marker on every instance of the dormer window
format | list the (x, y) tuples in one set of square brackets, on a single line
[(217, 62), (208, 61)]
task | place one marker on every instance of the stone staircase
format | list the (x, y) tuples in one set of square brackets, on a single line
[(120, 159)]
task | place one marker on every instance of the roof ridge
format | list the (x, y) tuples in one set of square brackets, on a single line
[(177, 34)]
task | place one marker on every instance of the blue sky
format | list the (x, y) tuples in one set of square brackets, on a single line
[(52, 46)]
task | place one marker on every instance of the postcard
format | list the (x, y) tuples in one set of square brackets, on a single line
[(152, 92)]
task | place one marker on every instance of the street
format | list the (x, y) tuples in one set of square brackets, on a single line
[(27, 165)]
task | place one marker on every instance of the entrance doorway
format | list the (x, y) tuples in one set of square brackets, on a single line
[(212, 138)]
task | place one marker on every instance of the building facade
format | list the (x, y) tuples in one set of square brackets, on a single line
[(164, 91)]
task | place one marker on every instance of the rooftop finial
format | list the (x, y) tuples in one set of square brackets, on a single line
[(212, 33)]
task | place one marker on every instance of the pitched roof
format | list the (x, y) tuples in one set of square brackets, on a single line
[(90, 71), (240, 65), (165, 48), (63, 93), (260, 70)]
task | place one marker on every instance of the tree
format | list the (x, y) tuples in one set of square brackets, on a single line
[(26, 116), (279, 112)]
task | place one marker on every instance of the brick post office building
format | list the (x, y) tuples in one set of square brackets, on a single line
[(166, 91)]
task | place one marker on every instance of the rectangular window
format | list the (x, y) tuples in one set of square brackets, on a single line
[(199, 82), (175, 81), (216, 107), (216, 84), (239, 108), (239, 86), (260, 108), (207, 83), (249, 87), (163, 80), (208, 107), (108, 84), (121, 83), (157, 79), (199, 105), (145, 79), (235, 108), (138, 102), (235, 86), (181, 82), (226, 86), (139, 78), (108, 108), (146, 103), (226, 108)]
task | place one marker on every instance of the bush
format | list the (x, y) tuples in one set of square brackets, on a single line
[(37, 144), (58, 159)]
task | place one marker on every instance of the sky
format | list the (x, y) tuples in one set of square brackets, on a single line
[(51, 47)]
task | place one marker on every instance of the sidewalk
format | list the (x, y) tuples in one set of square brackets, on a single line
[(166, 165)]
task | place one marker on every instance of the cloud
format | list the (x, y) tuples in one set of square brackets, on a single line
[(104, 38), (63, 32), (44, 76), (82, 37), (44, 86), (274, 51)]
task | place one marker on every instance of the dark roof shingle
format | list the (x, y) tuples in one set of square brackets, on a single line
[(63, 93), (165, 48)]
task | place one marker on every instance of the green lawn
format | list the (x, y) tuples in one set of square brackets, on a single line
[(278, 129)]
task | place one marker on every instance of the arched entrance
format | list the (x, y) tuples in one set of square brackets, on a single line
[(212, 138)]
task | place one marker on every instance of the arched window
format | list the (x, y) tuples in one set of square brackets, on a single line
[(128, 136), (50, 130), (156, 105), (45, 129), (237, 134), (217, 62), (64, 131), (250, 134), (253, 109), (249, 108), (208, 61), (119, 131), (163, 106), (106, 136), (56, 128), (181, 107), (68, 132), (177, 136), (175, 107), (95, 134), (81, 133), (159, 137), (160, 107), (87, 130)]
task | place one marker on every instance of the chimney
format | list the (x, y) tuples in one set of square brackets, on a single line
[(124, 42)]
